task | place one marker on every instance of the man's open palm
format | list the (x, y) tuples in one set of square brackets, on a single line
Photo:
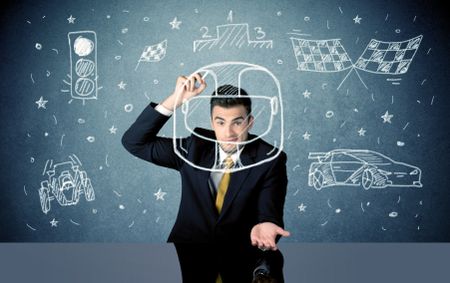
[(263, 235)]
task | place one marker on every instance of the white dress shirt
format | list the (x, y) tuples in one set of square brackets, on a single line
[(217, 176), (163, 110)]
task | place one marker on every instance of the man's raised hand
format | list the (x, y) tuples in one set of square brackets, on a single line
[(185, 89)]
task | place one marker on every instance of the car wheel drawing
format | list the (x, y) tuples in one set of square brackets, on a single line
[(367, 179), (318, 180), (44, 195)]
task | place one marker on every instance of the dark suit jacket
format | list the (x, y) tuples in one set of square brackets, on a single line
[(254, 195)]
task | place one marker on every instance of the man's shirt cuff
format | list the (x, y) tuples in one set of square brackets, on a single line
[(163, 110)]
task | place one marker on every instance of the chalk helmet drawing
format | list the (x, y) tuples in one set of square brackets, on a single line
[(262, 87)]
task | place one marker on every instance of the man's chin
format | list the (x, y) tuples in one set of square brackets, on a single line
[(228, 148)]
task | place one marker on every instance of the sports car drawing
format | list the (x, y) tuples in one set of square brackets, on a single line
[(66, 183), (355, 167)]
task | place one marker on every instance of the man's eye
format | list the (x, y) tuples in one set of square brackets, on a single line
[(238, 123)]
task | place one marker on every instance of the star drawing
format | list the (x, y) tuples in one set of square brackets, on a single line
[(71, 19), (175, 23), (41, 103), (306, 136), (387, 117), (54, 223), (121, 85), (306, 94), (302, 207), (362, 132), (357, 19), (160, 194), (113, 130)]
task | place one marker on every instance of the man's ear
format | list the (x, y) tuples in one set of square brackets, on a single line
[(251, 119)]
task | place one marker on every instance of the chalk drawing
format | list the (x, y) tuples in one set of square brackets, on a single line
[(175, 23), (232, 36), (41, 103), (355, 167), (71, 19), (66, 183), (229, 73), (379, 57), (153, 53), (83, 61)]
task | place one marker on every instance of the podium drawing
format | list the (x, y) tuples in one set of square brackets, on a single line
[(232, 36)]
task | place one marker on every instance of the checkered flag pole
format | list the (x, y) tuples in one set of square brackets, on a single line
[(379, 57), (386, 57), (323, 56), (153, 53)]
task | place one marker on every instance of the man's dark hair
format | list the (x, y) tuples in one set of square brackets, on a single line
[(227, 102)]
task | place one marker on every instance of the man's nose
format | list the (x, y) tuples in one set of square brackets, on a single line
[(229, 131)]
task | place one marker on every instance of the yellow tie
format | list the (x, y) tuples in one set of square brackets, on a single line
[(222, 190), (223, 184)]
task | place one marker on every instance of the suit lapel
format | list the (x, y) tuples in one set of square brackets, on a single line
[(206, 161)]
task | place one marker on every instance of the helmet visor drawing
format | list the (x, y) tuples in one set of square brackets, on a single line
[(261, 87)]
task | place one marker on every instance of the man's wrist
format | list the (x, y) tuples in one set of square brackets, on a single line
[(169, 102), (163, 110)]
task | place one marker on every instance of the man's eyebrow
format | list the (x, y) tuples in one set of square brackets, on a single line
[(235, 119)]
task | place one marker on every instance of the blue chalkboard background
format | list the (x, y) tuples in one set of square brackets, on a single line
[(43, 125)]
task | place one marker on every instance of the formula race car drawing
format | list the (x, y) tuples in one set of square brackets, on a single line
[(355, 167), (66, 183)]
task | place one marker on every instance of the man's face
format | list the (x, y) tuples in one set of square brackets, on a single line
[(230, 125)]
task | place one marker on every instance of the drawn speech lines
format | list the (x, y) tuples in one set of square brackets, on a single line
[(66, 183), (153, 53), (379, 57)]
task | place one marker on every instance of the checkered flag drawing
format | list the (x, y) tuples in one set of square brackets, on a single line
[(320, 55), (379, 57), (153, 53), (391, 58)]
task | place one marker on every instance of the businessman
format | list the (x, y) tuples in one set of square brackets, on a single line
[(228, 221)]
